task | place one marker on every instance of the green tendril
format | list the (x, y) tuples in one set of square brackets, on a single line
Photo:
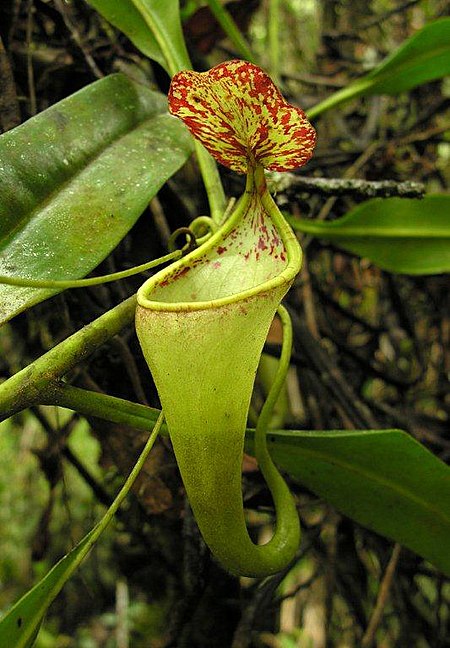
[(190, 245), (203, 227), (287, 524), (92, 281)]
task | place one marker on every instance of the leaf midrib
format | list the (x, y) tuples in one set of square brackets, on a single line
[(377, 480), (346, 232)]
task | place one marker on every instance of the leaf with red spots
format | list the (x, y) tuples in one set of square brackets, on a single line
[(239, 115)]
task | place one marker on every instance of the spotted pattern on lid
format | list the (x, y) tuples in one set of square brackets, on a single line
[(238, 114)]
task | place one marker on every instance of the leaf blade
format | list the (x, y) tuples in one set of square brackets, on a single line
[(19, 627), (407, 236), (72, 188), (383, 479), (422, 58), (153, 26)]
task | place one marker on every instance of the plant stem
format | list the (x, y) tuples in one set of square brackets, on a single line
[(359, 87), (212, 182), (287, 525), (228, 25), (277, 385), (176, 62), (176, 59), (274, 40), (131, 477), (109, 408), (36, 383)]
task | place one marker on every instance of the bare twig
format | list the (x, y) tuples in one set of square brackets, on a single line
[(424, 135), (330, 375), (350, 173), (330, 574), (160, 220), (383, 594), (57, 443), (347, 187), (308, 301), (298, 588), (100, 493), (63, 10), (345, 312), (262, 594), (195, 561)]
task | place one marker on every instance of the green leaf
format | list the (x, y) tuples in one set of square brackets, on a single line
[(383, 479), (422, 58), (20, 626), (76, 177), (401, 235), (154, 26)]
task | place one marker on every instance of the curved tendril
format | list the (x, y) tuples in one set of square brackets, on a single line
[(174, 255), (202, 226), (287, 520), (190, 245), (208, 244), (91, 281)]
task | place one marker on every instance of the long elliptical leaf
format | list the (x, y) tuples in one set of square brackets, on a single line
[(408, 236), (422, 58), (154, 26), (20, 626), (76, 177), (383, 479)]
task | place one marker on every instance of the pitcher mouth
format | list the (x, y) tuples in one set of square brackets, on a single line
[(191, 283)]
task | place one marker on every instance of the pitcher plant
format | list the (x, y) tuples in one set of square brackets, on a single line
[(202, 321)]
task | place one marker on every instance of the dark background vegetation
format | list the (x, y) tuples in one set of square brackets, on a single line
[(371, 351)]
